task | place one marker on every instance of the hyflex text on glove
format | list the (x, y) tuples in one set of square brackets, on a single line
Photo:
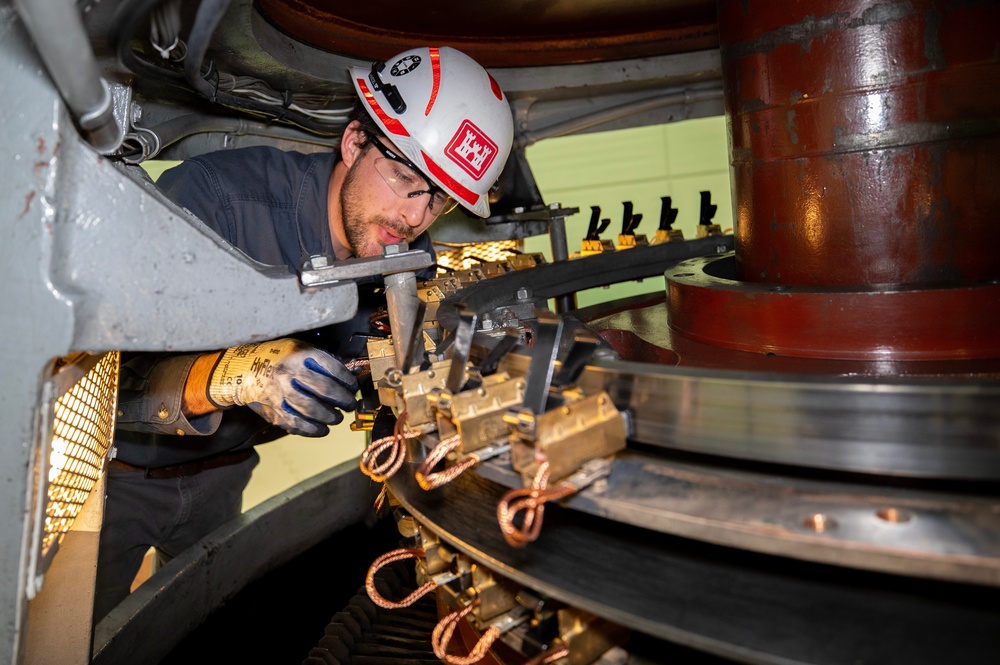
[(289, 383)]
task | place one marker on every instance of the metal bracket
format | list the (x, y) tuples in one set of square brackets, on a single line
[(544, 350), (462, 348), (321, 270)]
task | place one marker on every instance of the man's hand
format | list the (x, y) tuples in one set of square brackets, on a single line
[(289, 383)]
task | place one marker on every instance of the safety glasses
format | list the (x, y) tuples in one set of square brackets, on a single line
[(406, 180)]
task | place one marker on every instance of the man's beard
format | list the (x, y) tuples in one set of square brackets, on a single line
[(360, 232)]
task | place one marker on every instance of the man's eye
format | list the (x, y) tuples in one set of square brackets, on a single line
[(439, 199), (406, 176)]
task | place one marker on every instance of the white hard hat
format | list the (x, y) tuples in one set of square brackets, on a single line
[(446, 114)]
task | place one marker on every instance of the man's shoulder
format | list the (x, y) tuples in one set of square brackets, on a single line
[(260, 157), (253, 171)]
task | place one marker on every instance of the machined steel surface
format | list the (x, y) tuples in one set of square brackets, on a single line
[(740, 605), (921, 532), (943, 428)]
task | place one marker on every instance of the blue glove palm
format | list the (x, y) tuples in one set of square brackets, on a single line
[(289, 383)]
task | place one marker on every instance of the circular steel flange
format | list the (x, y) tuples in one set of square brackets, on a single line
[(740, 605), (709, 305)]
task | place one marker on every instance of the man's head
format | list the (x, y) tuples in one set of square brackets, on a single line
[(445, 114), (431, 129)]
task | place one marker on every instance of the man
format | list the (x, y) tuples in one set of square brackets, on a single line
[(431, 129)]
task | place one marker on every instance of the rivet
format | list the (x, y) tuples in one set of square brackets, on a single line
[(163, 413), (820, 523)]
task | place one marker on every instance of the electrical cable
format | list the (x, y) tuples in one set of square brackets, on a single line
[(393, 446), (429, 480), (532, 501), (443, 632), (386, 559), (550, 655), (125, 25)]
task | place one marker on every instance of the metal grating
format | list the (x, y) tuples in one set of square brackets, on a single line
[(83, 425), (467, 257)]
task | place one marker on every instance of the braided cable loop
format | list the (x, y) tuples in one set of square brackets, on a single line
[(443, 632), (428, 480), (392, 445), (386, 559), (380, 471), (530, 500)]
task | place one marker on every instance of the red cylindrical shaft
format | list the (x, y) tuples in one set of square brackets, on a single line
[(865, 140)]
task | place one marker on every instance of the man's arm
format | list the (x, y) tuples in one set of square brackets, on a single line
[(195, 401)]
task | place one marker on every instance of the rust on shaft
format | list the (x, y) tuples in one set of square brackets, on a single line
[(865, 140)]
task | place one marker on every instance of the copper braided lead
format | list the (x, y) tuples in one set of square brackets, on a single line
[(380, 500), (356, 364), (428, 480), (443, 632), (386, 559), (549, 656), (532, 501), (393, 445), (370, 464)]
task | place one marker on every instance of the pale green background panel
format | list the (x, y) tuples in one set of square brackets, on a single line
[(155, 167), (640, 165)]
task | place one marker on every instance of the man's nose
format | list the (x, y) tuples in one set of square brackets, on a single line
[(415, 210)]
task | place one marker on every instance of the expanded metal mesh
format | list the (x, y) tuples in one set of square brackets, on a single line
[(467, 257), (83, 424)]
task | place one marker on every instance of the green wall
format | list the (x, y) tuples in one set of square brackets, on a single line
[(640, 165)]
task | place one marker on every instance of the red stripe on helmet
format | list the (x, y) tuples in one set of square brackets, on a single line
[(495, 87), (461, 190), (436, 70), (391, 124)]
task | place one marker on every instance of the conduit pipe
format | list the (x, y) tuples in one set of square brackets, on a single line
[(58, 34)]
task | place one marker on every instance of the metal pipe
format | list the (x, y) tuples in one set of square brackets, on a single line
[(58, 33), (560, 252), (152, 140)]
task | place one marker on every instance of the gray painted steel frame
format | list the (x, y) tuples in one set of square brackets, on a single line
[(94, 259)]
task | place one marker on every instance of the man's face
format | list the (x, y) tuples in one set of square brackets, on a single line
[(374, 215)]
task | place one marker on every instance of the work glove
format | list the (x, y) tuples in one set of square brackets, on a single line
[(288, 383)]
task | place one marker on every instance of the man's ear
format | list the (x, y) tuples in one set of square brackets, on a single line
[(352, 143)]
